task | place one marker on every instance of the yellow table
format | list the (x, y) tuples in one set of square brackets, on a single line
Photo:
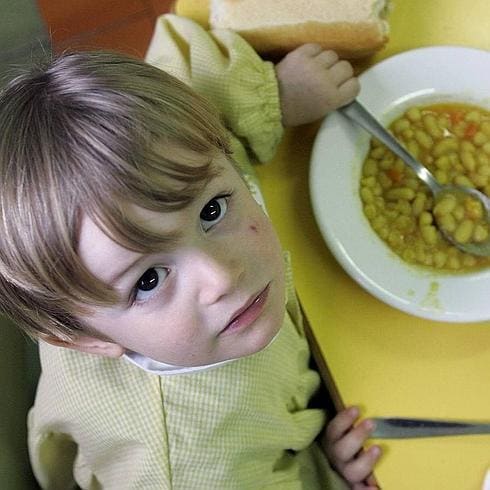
[(389, 363)]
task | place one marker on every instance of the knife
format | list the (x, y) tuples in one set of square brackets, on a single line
[(401, 428)]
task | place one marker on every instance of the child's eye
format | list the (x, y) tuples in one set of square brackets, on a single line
[(147, 284), (213, 212)]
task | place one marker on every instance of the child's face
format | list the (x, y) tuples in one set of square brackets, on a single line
[(216, 293)]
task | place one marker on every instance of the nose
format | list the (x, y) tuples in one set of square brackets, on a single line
[(217, 274)]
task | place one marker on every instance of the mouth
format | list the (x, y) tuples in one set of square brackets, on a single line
[(249, 312)]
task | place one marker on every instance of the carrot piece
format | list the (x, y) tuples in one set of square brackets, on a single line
[(470, 130), (455, 116), (395, 175)]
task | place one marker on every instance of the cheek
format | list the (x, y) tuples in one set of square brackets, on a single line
[(262, 236)]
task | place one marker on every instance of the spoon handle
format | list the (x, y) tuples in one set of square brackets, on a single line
[(400, 428), (357, 113)]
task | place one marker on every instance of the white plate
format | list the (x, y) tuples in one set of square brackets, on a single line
[(420, 76)]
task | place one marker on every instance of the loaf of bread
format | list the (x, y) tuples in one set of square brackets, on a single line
[(352, 28)]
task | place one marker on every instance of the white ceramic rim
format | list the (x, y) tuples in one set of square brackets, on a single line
[(419, 76)]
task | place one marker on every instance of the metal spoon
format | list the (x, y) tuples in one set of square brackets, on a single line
[(357, 113)]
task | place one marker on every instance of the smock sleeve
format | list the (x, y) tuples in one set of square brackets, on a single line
[(224, 68)]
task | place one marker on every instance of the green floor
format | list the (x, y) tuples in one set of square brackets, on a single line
[(18, 374), (23, 35), (22, 38)]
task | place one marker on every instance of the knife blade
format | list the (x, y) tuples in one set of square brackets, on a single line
[(404, 428)]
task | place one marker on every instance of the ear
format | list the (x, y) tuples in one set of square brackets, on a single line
[(88, 344)]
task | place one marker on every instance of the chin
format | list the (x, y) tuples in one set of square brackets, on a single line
[(269, 327)]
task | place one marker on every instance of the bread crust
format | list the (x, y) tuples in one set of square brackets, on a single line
[(349, 40)]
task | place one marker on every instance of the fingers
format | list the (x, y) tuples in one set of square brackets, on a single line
[(310, 49), (371, 482), (360, 468), (350, 89), (344, 447), (327, 58), (341, 75), (347, 447), (341, 72), (340, 424), (348, 86), (313, 82), (364, 486)]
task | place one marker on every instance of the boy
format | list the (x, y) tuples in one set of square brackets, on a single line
[(171, 341)]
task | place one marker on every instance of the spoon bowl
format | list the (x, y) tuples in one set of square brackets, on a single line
[(357, 113)]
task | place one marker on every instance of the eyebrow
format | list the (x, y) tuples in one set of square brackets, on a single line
[(116, 275)]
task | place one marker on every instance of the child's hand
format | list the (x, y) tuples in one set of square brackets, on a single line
[(342, 443), (313, 82)]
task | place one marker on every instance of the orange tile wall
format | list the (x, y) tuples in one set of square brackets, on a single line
[(121, 25)]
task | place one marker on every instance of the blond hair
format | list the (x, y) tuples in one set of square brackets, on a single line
[(83, 134)]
